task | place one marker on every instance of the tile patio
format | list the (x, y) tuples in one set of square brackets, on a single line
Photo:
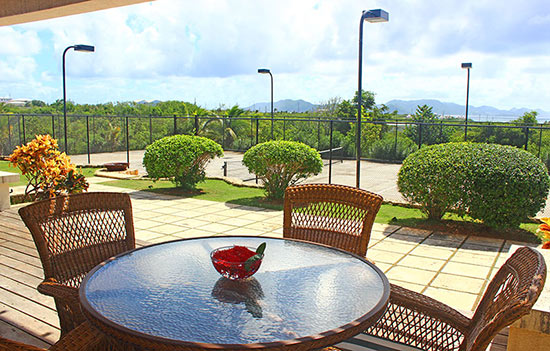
[(453, 269)]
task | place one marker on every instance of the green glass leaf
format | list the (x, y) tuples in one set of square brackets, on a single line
[(248, 263), (260, 250), (258, 256)]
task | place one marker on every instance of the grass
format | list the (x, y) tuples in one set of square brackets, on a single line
[(4, 166), (218, 190)]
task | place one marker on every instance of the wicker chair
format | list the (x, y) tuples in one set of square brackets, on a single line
[(335, 215), (424, 323), (82, 338), (73, 234)]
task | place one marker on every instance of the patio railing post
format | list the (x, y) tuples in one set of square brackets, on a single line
[(540, 141), (196, 124), (88, 136), (53, 126), (223, 131), (318, 133), (257, 132), (419, 134), (150, 129), (24, 136), (175, 125), (127, 142), (330, 154), (526, 137), (395, 142), (9, 135)]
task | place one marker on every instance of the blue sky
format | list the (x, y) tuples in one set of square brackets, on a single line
[(209, 52)]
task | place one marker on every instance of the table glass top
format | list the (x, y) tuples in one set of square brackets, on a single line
[(173, 291)]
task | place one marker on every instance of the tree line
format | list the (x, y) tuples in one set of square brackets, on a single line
[(385, 134)]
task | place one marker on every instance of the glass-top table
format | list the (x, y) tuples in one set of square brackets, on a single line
[(304, 295)]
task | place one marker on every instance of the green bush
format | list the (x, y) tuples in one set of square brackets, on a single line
[(389, 148), (182, 158), (282, 163), (500, 185)]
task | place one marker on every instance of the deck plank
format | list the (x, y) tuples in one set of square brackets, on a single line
[(32, 308), (8, 331), (28, 324), (25, 291)]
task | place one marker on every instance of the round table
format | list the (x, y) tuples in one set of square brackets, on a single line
[(169, 296)]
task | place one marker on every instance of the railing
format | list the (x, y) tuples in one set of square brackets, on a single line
[(381, 140)]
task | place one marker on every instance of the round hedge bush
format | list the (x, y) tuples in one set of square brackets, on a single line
[(500, 185), (182, 158), (282, 163)]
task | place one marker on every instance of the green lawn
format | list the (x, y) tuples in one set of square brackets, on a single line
[(218, 190), (4, 166)]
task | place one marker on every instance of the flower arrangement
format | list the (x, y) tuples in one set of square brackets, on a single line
[(544, 228), (50, 172)]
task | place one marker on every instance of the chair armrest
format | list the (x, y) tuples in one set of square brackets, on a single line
[(420, 321), (82, 338), (10, 345), (52, 288)]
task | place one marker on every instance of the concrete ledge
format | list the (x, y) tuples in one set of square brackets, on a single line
[(5, 178)]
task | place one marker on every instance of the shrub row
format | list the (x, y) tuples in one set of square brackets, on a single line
[(500, 185)]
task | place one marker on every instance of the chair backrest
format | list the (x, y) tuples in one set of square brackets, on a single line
[(74, 233), (510, 295), (335, 215)]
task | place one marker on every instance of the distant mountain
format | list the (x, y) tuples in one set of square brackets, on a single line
[(283, 106), (148, 102), (449, 108)]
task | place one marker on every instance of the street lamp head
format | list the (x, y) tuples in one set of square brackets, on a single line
[(376, 16), (263, 71), (85, 48), (467, 65)]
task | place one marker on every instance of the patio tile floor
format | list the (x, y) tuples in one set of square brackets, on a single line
[(453, 269)]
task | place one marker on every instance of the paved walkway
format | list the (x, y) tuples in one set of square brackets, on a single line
[(380, 178)]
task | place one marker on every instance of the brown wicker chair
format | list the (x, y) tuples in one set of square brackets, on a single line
[(82, 338), (335, 215), (422, 322), (73, 234)]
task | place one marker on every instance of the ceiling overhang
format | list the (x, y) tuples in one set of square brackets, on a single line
[(23, 11)]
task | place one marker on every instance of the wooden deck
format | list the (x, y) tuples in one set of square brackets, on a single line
[(30, 317)]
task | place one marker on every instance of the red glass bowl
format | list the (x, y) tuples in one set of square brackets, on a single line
[(234, 270)]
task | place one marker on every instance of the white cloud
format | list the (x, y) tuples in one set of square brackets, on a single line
[(210, 50), (16, 69), (18, 43)]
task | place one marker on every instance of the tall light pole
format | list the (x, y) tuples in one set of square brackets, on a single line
[(369, 16), (266, 71), (467, 66), (78, 47)]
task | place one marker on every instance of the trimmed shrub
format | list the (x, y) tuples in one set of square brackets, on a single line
[(500, 185), (282, 163), (181, 158)]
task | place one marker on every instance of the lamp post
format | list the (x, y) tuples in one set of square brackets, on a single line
[(266, 71), (78, 47), (467, 66), (369, 16)]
